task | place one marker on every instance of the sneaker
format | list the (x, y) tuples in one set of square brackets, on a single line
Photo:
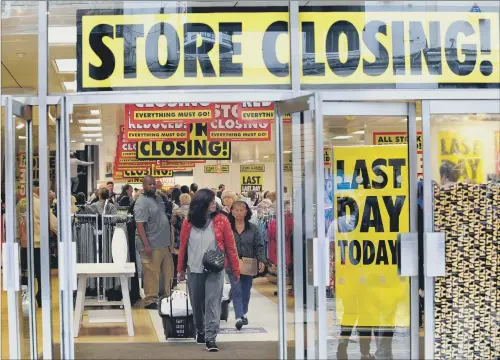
[(245, 321), (239, 324), (200, 338), (212, 346), (367, 357), (152, 306)]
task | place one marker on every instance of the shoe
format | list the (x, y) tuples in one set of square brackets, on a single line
[(245, 321), (367, 357), (212, 346), (200, 338), (152, 306), (239, 324)]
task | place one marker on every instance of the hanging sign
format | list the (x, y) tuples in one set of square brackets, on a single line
[(253, 168), (250, 47), (371, 208), (397, 138), (216, 169), (242, 122), (164, 121), (460, 157), (198, 147), (140, 174), (251, 182), (287, 168), (327, 157)]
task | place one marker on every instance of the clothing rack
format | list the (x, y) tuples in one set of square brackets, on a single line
[(101, 229)]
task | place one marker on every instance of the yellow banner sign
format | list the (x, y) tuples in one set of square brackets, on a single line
[(253, 168), (198, 147), (252, 182), (460, 157), (139, 174), (251, 48), (216, 169), (371, 208), (398, 138)]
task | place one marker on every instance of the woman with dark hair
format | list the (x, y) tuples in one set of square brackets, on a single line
[(125, 198), (251, 250), (176, 194), (206, 230)]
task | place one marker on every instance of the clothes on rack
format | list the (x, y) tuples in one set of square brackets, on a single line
[(271, 234)]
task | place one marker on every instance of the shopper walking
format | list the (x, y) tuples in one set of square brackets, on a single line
[(193, 189), (206, 230), (252, 259), (153, 240), (228, 199), (178, 218), (176, 194), (222, 188), (125, 198)]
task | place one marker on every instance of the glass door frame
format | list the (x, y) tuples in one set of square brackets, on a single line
[(429, 108), (306, 111), (406, 109)]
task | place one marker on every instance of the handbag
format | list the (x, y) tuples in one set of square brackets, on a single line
[(249, 266), (213, 261)]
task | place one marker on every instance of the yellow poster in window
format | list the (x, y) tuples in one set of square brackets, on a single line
[(371, 207), (460, 157)]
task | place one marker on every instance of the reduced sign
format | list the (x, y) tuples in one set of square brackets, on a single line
[(251, 182)]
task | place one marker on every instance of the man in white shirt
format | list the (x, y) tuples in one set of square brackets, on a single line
[(73, 166)]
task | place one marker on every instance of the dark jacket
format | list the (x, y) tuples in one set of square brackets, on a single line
[(249, 243)]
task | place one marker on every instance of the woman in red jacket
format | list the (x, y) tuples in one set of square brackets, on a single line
[(202, 231)]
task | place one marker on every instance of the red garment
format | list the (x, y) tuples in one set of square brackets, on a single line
[(224, 238), (273, 246)]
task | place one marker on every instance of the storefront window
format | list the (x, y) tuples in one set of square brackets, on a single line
[(19, 39), (466, 191)]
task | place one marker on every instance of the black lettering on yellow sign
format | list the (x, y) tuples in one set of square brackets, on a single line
[(253, 168), (215, 169), (251, 182), (367, 252), (141, 173), (360, 175), (198, 147), (251, 48)]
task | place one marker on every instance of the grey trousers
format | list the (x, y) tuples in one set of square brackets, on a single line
[(205, 293)]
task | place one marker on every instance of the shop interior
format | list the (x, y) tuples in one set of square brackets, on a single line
[(94, 130)]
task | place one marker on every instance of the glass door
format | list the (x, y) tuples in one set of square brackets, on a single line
[(19, 250), (372, 170), (301, 236), (462, 228), (66, 247)]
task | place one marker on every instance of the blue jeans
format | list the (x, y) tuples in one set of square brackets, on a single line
[(241, 293)]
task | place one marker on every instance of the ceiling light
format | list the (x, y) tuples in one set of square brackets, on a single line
[(88, 140), (92, 135), (266, 157), (98, 140), (20, 126), (73, 141), (359, 132), (95, 112), (90, 128), (90, 121), (70, 85), (22, 137), (342, 137), (62, 35), (66, 65), (419, 118), (287, 152), (249, 161)]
